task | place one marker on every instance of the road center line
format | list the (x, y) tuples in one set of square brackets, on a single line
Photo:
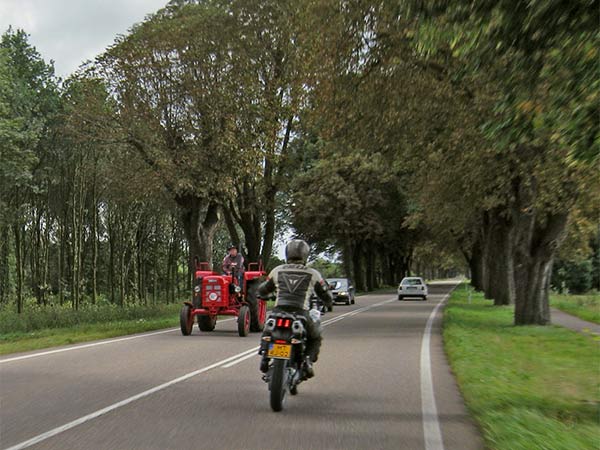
[(48, 434), (225, 363), (431, 424), (324, 324)]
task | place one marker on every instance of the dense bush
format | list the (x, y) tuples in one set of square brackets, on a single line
[(573, 277), (40, 317)]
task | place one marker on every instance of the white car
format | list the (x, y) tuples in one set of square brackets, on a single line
[(412, 287)]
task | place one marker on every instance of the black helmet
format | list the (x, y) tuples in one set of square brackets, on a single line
[(232, 246), (297, 251)]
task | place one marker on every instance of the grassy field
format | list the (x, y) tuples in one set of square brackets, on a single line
[(51, 337), (528, 387), (586, 307), (41, 328)]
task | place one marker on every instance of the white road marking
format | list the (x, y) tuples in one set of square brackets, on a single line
[(93, 344), (431, 424), (225, 363), (243, 358), (48, 434), (324, 324)]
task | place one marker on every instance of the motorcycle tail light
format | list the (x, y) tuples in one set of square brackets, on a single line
[(283, 323)]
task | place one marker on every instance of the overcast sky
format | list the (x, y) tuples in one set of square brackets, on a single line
[(73, 31)]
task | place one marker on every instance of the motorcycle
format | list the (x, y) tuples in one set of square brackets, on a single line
[(285, 339)]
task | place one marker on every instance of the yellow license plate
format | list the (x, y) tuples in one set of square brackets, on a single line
[(280, 351)]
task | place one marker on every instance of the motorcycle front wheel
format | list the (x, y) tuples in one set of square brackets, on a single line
[(278, 384)]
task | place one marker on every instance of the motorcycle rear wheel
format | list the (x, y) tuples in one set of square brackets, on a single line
[(279, 381)]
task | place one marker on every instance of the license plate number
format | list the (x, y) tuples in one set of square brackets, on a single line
[(280, 351)]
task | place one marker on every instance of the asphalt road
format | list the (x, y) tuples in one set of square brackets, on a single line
[(167, 391)]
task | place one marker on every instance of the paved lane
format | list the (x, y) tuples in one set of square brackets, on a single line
[(366, 394)]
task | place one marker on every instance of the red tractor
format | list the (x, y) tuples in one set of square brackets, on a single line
[(221, 295)]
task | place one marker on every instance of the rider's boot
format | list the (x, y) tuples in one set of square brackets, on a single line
[(264, 364), (307, 367)]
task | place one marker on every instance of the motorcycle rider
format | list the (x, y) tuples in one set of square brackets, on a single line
[(234, 259), (293, 284)]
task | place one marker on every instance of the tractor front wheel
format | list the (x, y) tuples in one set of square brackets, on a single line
[(186, 320), (243, 321)]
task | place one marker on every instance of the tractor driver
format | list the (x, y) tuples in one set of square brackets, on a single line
[(293, 283), (233, 261)]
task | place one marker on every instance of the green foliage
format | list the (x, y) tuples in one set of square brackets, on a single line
[(28, 101), (274, 261), (572, 276), (527, 387), (327, 268), (40, 317)]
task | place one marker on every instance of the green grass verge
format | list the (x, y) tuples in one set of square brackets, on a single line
[(528, 387), (586, 307), (51, 337)]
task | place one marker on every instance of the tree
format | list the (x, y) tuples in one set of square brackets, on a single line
[(28, 101), (539, 59)]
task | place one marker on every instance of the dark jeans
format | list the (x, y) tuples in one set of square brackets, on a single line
[(313, 331), (239, 276)]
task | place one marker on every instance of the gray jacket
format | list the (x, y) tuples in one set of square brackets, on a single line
[(294, 285)]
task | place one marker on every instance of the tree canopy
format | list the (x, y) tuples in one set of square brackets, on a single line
[(431, 136)]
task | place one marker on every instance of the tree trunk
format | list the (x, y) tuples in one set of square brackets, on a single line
[(500, 283), (475, 261), (357, 263), (19, 265), (370, 269), (94, 241), (199, 227), (4, 264), (487, 257), (347, 260), (535, 243)]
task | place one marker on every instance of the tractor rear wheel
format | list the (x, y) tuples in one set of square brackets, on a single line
[(186, 320), (243, 321), (207, 323), (256, 324)]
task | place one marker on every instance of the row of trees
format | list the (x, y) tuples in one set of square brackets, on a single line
[(483, 115), (80, 218), (397, 134)]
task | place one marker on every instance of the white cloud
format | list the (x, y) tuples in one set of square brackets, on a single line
[(73, 31)]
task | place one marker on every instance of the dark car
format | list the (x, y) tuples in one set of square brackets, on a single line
[(342, 290)]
